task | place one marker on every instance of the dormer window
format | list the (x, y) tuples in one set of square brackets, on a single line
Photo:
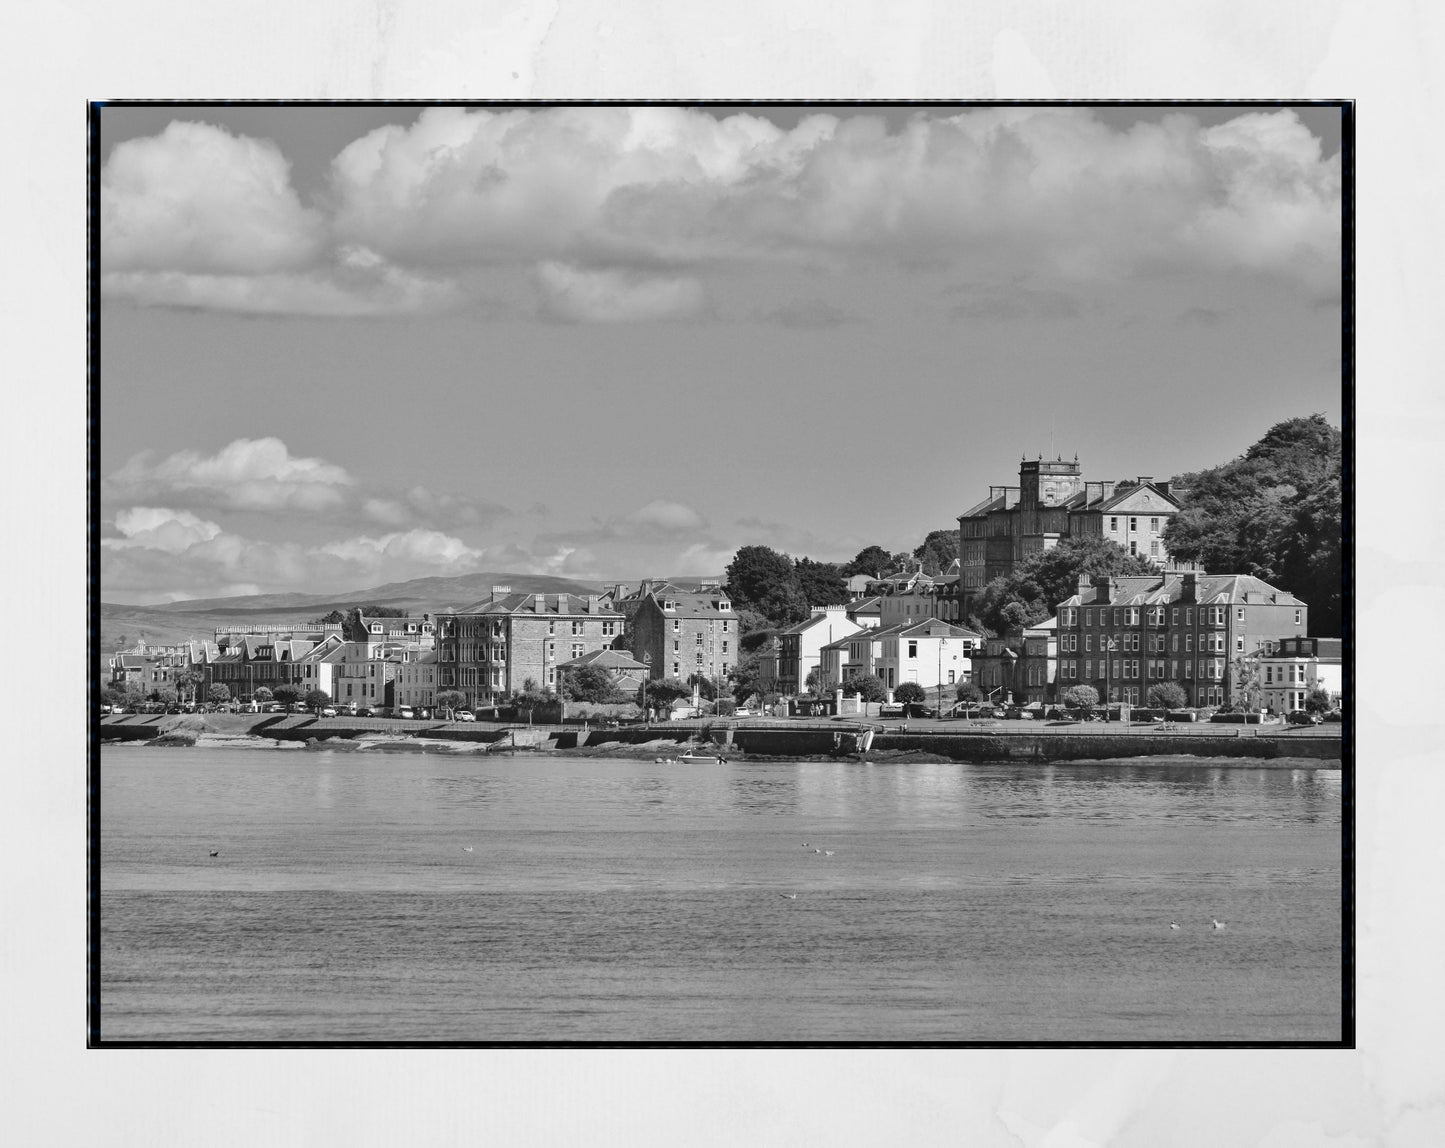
[(669, 604), (724, 605), (376, 627)]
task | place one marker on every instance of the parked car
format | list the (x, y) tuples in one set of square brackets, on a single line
[(275, 708), (328, 711), (405, 712), (919, 710), (362, 711), (464, 715), (1302, 717), (742, 711), (891, 709), (1333, 716)]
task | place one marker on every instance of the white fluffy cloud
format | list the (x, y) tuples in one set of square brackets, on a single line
[(197, 199), (247, 474), (620, 213), (577, 295)]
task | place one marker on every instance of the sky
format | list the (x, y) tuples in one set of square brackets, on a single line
[(348, 345)]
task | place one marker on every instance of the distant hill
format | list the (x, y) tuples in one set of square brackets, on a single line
[(174, 622)]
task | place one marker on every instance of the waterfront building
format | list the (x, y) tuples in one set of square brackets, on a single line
[(1289, 670), (1019, 667), (492, 649), (928, 653), (414, 679), (682, 633), (1201, 631), (626, 671), (799, 648)]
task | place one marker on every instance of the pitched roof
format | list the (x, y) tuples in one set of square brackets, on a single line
[(1003, 501), (553, 604), (690, 605), (1210, 590), (607, 659)]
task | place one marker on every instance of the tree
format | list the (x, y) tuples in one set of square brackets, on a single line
[(662, 692), (261, 694), (1319, 700), (1275, 513), (910, 692), (126, 693), (167, 695), (1080, 697), (449, 700), (589, 684), (938, 551), (968, 692), (873, 561), (218, 693), (813, 681), (869, 687), (1167, 696), (746, 677), (820, 583), (333, 618), (1040, 582), (188, 680), (755, 640), (756, 574), (706, 689), (317, 699), (287, 695)]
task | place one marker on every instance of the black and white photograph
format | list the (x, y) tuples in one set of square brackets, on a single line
[(722, 574)]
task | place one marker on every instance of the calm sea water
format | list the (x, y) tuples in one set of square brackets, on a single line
[(629, 901)]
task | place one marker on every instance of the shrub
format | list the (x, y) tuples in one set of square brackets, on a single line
[(869, 687), (1080, 697), (1167, 696), (910, 692)]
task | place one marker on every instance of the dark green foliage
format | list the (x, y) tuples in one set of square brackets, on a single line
[(938, 551), (1276, 513), (910, 692), (449, 699), (968, 692), (869, 687), (873, 561), (820, 583), (745, 677), (755, 640), (589, 684), (662, 692), (286, 695), (383, 612), (334, 617), (218, 693), (1167, 696), (1080, 697), (1318, 701), (315, 699), (1038, 584)]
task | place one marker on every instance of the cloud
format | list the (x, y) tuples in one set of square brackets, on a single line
[(806, 314), (173, 560), (577, 295), (420, 506), (621, 214), (669, 517), (247, 474), (356, 283), (196, 199), (1013, 303)]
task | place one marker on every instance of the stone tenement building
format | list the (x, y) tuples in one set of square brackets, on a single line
[(1202, 631), (685, 633), (1053, 502), (491, 649)]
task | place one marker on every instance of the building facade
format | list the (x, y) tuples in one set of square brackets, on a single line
[(1021, 667), (679, 634), (494, 648), (1203, 632), (927, 653), (1290, 670), (1053, 502)]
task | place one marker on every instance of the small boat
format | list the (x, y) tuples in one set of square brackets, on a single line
[(701, 757)]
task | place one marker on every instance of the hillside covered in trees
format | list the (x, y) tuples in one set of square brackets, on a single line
[(1276, 512)]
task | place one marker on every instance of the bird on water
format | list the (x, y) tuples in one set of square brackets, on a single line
[(215, 852), (1173, 924), (1217, 924), (789, 896), (466, 848)]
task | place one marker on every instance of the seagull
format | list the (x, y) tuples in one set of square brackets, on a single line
[(1217, 924), (817, 851), (789, 896), (215, 852), (804, 845), (828, 852), (1173, 924), (466, 848)]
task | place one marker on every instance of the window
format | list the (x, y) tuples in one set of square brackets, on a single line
[(1117, 665), (725, 647), (1113, 525), (608, 629), (1298, 616), (1131, 616), (676, 625), (551, 649), (1088, 643), (576, 628), (1154, 525), (676, 647), (1189, 643), (1174, 616), (551, 627), (1154, 546), (950, 677), (1088, 617), (698, 636), (913, 649), (1088, 668), (1239, 614), (1173, 643), (1239, 645), (1117, 614), (676, 669), (1189, 615), (1133, 524), (1133, 547), (725, 625)]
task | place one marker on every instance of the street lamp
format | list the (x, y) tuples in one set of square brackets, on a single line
[(646, 673), (1109, 646)]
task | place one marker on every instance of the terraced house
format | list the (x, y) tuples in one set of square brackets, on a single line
[(493, 648), (1202, 631)]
